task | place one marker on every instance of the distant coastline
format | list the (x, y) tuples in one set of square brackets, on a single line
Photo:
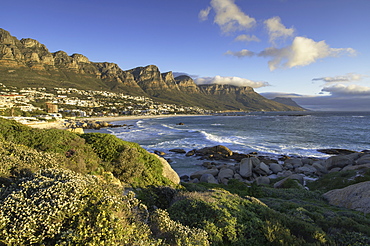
[(59, 124)]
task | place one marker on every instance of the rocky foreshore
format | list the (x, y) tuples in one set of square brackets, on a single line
[(221, 165), (90, 124)]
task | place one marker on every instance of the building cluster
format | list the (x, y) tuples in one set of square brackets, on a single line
[(85, 103)]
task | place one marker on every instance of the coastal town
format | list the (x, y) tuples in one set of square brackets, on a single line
[(39, 104)]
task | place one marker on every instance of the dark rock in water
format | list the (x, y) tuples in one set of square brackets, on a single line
[(169, 160), (179, 151), (191, 153), (180, 124), (336, 151), (160, 153), (238, 157), (218, 152)]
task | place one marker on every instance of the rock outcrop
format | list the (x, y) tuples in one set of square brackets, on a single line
[(355, 197), (168, 172)]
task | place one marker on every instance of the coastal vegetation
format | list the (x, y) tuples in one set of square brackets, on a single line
[(62, 188)]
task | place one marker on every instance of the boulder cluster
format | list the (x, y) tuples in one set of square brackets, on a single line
[(90, 124), (222, 164)]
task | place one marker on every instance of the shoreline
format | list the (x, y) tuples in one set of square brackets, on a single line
[(137, 117), (59, 124)]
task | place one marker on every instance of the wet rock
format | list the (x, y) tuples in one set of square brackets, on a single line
[(336, 151), (179, 151), (218, 150), (160, 153), (190, 153)]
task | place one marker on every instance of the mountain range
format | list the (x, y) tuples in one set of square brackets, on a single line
[(28, 63)]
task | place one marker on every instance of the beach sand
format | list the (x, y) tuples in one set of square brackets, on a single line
[(60, 123)]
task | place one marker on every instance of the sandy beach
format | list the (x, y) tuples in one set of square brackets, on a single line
[(59, 124), (134, 117)]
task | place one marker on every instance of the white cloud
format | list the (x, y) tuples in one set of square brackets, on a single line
[(302, 52), (247, 38), (349, 77), (203, 14), (228, 16), (240, 54), (237, 81), (347, 90), (277, 30)]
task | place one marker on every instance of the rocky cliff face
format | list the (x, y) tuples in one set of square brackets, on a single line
[(186, 84), (27, 62), (216, 89)]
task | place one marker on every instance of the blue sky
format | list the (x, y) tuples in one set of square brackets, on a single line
[(316, 51)]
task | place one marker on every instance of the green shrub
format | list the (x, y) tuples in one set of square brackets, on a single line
[(60, 207), (174, 233), (17, 159), (128, 161), (338, 180), (81, 157)]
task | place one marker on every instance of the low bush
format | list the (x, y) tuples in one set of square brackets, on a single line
[(338, 180), (128, 161), (60, 207)]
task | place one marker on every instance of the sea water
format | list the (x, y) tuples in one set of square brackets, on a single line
[(270, 133)]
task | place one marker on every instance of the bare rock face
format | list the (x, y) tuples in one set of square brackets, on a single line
[(186, 84), (169, 80), (168, 172), (355, 197)]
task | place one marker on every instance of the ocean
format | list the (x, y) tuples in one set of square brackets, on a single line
[(267, 133)]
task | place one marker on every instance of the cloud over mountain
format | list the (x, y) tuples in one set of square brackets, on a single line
[(237, 81)]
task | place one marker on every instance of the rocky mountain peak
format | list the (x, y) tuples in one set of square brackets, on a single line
[(168, 76), (219, 89), (80, 58), (6, 38), (187, 84), (32, 43)]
